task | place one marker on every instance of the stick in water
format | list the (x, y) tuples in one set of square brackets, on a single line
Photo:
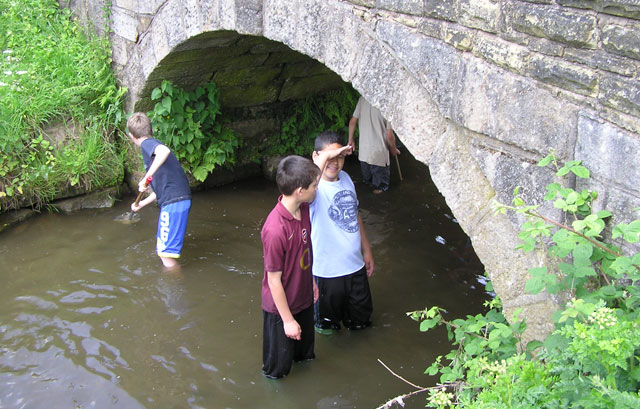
[(398, 163)]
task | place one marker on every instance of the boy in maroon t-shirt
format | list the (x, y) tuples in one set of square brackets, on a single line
[(288, 289)]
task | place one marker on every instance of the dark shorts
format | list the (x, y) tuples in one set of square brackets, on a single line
[(344, 299), (279, 351)]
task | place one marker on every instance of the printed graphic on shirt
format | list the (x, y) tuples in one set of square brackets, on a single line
[(305, 260), (344, 211), (304, 236)]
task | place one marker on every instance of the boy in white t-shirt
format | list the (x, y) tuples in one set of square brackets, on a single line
[(342, 259)]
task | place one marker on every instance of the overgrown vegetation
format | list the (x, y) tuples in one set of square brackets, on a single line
[(314, 114), (51, 73), (591, 358), (191, 125)]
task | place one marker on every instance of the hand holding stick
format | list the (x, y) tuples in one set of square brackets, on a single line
[(146, 183)]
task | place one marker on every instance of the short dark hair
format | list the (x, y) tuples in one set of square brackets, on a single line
[(294, 172), (325, 139), (139, 125)]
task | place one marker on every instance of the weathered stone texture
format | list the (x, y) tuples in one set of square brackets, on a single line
[(610, 153), (480, 14), (144, 6), (455, 172), (127, 27), (365, 3), (601, 60), (345, 36), (460, 39), (295, 87), (193, 19), (564, 75), (431, 61), (95, 200), (506, 169), (416, 117), (576, 29), (513, 110), (171, 17), (546, 47), (501, 53), (624, 8), (401, 6), (622, 40), (621, 94), (446, 10)]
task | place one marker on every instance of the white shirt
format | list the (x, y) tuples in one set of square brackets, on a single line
[(372, 147), (335, 231)]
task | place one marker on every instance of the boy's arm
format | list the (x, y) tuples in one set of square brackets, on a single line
[(320, 158), (149, 199), (161, 153), (366, 248), (291, 327)]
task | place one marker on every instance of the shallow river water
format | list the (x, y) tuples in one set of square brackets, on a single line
[(89, 319)]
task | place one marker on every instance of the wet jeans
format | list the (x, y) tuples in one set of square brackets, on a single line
[(376, 176)]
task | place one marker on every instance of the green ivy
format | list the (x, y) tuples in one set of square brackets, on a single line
[(191, 125), (591, 359)]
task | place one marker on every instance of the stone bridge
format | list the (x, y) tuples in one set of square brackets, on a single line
[(478, 90)]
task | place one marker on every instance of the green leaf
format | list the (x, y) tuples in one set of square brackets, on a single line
[(546, 160), (622, 265), (166, 104), (432, 369), (584, 271), (537, 283), (156, 94), (619, 230), (533, 345), (580, 171), (556, 342), (528, 244), (552, 191), (426, 325), (603, 214), (560, 204)]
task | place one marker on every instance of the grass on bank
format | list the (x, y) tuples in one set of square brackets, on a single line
[(52, 74)]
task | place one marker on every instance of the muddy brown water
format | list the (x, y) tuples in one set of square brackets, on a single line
[(89, 319)]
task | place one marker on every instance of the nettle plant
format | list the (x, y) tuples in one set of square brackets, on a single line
[(190, 123), (591, 358)]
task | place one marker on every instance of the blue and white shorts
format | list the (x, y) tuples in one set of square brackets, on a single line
[(172, 227)]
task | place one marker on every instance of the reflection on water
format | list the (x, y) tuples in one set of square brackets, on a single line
[(89, 319)]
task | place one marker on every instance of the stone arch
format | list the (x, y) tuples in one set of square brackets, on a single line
[(468, 97)]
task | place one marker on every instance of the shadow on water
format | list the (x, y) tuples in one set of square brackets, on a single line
[(88, 318)]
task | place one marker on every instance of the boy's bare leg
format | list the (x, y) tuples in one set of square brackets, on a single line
[(170, 263)]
